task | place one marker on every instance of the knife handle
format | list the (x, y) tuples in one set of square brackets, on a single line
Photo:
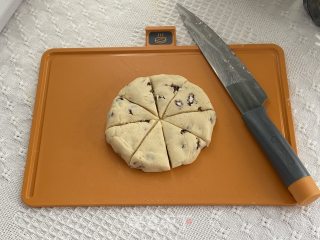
[(282, 157)]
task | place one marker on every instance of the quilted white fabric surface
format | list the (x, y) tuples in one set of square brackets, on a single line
[(39, 25)]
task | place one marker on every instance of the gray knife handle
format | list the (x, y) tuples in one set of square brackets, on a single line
[(278, 150)]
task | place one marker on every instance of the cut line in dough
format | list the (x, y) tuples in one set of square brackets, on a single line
[(152, 155), (125, 139), (190, 98), (154, 96), (183, 147), (144, 139), (163, 120), (156, 115), (199, 123), (139, 91), (187, 112), (123, 111), (166, 88)]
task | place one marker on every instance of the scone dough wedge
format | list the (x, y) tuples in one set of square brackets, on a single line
[(140, 92), (183, 147), (165, 88), (198, 123), (125, 139), (190, 98), (122, 112), (152, 155)]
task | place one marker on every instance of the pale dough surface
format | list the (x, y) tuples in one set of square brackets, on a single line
[(190, 98), (140, 91), (152, 155), (198, 123), (125, 139), (122, 112), (165, 88), (183, 147)]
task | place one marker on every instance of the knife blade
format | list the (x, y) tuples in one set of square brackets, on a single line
[(249, 98)]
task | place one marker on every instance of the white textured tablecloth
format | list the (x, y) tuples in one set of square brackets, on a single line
[(39, 25)]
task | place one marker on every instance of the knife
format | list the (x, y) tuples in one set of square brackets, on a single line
[(249, 98)]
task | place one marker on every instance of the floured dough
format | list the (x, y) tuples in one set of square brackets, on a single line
[(190, 98), (125, 139), (165, 88), (140, 91), (160, 122), (183, 147), (122, 111), (197, 123), (152, 156)]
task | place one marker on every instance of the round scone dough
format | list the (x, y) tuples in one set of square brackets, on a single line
[(160, 122)]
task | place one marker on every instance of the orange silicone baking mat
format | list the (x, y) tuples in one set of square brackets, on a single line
[(69, 162)]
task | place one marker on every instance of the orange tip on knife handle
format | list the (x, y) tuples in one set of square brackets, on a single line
[(304, 190)]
